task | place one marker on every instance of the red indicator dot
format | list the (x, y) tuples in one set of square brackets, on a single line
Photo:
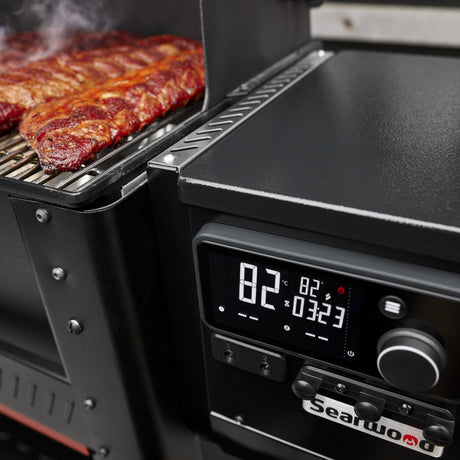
[(341, 290)]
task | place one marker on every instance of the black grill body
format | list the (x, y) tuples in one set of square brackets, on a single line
[(356, 155), (85, 342)]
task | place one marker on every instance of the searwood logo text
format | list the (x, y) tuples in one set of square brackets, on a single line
[(387, 429)]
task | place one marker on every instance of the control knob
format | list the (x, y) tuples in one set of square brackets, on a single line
[(410, 359)]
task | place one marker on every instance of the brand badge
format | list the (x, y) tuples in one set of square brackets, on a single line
[(386, 428)]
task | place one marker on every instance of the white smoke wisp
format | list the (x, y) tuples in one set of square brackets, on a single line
[(5, 30), (55, 18)]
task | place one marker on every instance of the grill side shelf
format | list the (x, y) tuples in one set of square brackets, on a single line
[(198, 141)]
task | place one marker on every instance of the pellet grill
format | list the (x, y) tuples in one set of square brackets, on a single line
[(86, 342)]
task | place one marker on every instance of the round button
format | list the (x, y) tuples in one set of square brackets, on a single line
[(410, 359), (306, 384), (393, 307), (438, 435), (304, 389), (368, 411)]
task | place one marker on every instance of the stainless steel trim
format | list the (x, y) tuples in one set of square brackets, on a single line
[(262, 433), (179, 155)]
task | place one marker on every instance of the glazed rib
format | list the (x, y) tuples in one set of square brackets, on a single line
[(65, 74), (68, 132), (21, 48)]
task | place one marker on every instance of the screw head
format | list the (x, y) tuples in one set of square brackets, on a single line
[(42, 215), (405, 409), (89, 403), (58, 273), (341, 388), (103, 451), (74, 327)]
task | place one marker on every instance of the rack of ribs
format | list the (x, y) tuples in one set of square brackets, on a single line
[(21, 48), (68, 132), (65, 74)]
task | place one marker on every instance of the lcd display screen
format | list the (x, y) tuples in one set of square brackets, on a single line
[(279, 301)]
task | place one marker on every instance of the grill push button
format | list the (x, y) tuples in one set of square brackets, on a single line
[(439, 430), (307, 384), (369, 408)]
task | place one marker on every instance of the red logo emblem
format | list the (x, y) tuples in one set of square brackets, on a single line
[(410, 440)]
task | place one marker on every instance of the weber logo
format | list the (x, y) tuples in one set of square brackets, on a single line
[(387, 429)]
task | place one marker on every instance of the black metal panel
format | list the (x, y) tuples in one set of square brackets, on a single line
[(23, 322), (185, 402), (19, 442), (42, 398), (364, 147), (267, 409), (243, 38), (110, 288)]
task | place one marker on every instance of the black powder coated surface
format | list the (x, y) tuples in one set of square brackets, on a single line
[(370, 131), (244, 38)]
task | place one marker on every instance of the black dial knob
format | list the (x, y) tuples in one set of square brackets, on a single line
[(410, 359)]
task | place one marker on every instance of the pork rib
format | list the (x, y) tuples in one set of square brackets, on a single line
[(68, 132), (19, 49), (64, 74)]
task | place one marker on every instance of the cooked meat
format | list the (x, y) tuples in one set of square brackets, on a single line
[(18, 49), (68, 132), (65, 74)]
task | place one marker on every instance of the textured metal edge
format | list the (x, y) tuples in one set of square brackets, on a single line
[(267, 435), (180, 154)]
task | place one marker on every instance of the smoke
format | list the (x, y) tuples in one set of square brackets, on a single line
[(5, 30), (64, 14), (55, 18)]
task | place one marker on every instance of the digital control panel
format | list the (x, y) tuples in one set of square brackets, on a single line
[(373, 316)]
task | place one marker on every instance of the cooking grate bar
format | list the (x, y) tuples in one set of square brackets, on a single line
[(10, 140), (13, 164), (41, 178), (26, 171)]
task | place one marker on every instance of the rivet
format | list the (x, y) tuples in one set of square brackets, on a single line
[(59, 273), (74, 327), (169, 158), (103, 451), (89, 403), (42, 215)]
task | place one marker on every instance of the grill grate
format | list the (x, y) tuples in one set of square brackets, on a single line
[(19, 162)]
